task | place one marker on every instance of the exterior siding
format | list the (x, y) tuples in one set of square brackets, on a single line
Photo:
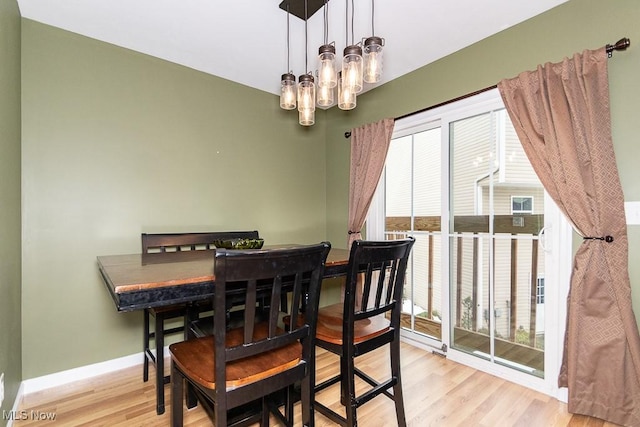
[(479, 161)]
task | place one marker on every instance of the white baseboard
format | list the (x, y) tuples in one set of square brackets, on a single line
[(57, 379), (44, 382)]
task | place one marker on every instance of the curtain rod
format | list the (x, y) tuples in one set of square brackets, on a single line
[(620, 45)]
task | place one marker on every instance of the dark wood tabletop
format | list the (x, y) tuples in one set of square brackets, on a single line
[(137, 281)]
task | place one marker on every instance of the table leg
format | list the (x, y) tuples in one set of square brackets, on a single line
[(191, 315), (159, 363)]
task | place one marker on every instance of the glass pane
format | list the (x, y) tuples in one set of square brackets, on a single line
[(472, 144), (497, 269), (398, 183), (422, 310), (470, 292), (413, 205), (427, 289)]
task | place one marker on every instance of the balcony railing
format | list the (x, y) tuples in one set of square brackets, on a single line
[(468, 230)]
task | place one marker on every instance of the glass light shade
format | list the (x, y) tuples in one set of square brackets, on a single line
[(306, 117), (325, 96), (372, 56), (306, 100), (352, 68), (288, 92), (346, 95), (327, 66), (306, 93)]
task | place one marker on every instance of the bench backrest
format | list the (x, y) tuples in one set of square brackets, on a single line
[(176, 242)]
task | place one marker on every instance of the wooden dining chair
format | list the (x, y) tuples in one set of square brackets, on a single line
[(368, 318), (164, 243), (253, 362)]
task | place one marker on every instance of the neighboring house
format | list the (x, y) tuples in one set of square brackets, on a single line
[(517, 191), (491, 174)]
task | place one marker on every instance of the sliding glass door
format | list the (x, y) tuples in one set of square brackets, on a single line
[(497, 270), (485, 284)]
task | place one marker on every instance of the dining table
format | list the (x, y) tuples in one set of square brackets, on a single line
[(139, 281)]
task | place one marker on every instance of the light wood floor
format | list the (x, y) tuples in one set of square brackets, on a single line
[(437, 392)]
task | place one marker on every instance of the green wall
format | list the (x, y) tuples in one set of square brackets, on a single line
[(116, 143), (10, 240), (562, 31)]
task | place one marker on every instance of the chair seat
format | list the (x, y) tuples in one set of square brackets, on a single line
[(329, 325), (196, 359)]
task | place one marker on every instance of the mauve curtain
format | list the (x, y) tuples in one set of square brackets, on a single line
[(561, 115), (369, 147)]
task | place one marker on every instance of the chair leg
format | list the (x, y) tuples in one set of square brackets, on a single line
[(343, 386), (264, 419), (159, 335), (219, 413), (289, 402), (397, 388), (190, 396), (145, 346), (349, 390), (307, 397), (176, 396), (191, 315)]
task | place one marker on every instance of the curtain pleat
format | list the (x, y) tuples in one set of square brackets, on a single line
[(561, 115)]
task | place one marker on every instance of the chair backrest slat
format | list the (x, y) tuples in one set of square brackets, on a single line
[(251, 297), (267, 273), (376, 268)]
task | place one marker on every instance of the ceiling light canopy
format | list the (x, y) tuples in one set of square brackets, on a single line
[(361, 62)]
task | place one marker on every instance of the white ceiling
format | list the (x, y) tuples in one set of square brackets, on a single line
[(245, 40)]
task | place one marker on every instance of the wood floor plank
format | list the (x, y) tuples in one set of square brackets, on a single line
[(437, 392)]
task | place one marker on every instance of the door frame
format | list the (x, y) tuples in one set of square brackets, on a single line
[(556, 244)]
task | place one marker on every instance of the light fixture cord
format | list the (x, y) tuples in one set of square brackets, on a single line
[(288, 38), (353, 13), (306, 42), (373, 13), (326, 23), (346, 22)]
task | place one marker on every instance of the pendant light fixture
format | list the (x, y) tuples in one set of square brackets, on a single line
[(306, 85), (361, 63), (352, 60), (288, 81), (372, 53)]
